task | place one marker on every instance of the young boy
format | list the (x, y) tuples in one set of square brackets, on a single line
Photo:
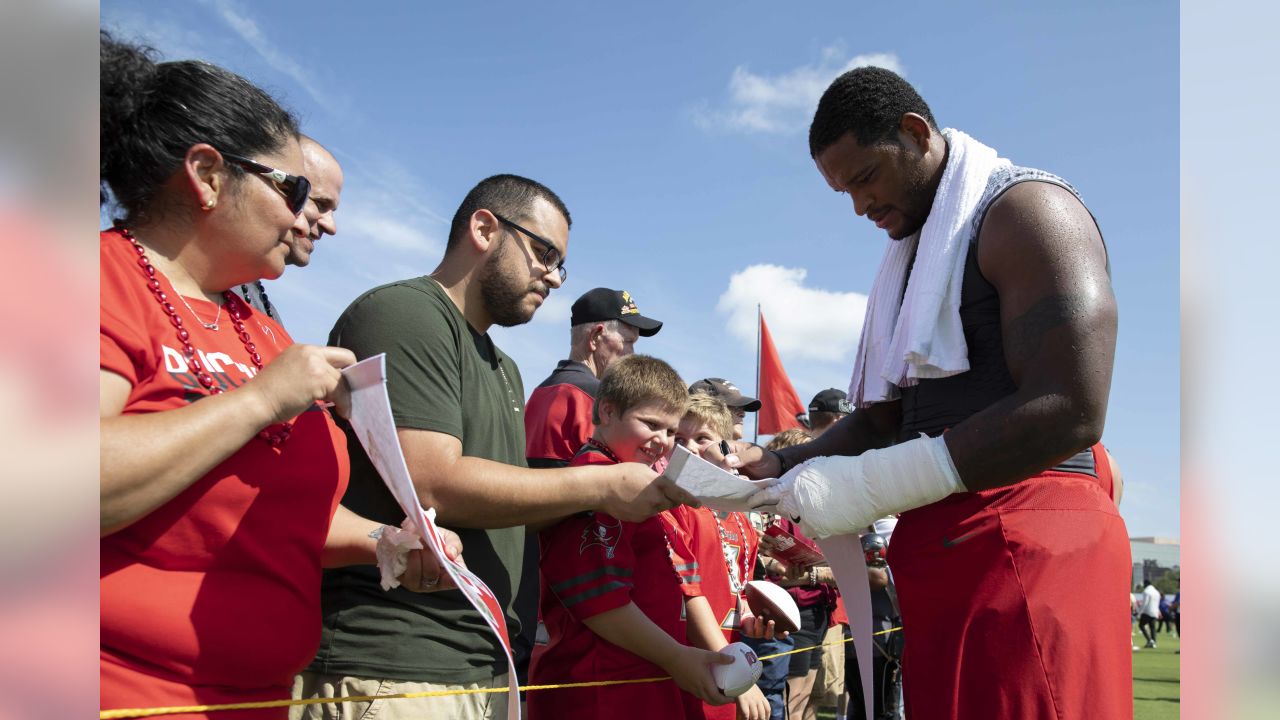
[(723, 554), (610, 596)]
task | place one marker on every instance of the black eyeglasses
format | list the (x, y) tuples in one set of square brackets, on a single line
[(294, 188), (550, 259)]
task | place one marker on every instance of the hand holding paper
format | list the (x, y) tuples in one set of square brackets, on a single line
[(403, 561), (712, 486)]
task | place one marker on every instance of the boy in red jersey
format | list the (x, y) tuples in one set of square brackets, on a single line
[(610, 597), (723, 548)]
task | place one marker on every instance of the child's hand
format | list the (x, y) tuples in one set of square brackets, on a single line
[(690, 667), (758, 628), (752, 705)]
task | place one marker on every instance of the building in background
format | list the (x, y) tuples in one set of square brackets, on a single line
[(1154, 558)]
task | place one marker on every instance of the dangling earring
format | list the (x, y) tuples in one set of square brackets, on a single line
[(209, 204)]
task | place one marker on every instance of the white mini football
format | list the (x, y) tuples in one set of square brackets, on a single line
[(735, 679), (770, 602)]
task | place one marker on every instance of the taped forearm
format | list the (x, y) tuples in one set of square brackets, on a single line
[(841, 495)]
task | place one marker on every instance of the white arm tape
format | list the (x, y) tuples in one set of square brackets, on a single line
[(841, 495)]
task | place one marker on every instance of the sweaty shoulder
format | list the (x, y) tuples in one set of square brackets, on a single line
[(1036, 224)]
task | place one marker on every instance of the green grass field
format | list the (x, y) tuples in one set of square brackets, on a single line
[(1156, 680)]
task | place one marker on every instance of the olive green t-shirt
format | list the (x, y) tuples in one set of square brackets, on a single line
[(442, 376)]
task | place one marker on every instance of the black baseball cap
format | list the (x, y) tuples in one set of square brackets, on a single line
[(603, 304), (727, 392), (831, 400)]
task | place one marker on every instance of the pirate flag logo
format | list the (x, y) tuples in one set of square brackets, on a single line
[(605, 532)]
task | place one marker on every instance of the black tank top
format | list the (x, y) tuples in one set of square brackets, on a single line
[(933, 405)]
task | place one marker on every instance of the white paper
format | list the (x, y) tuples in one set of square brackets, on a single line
[(849, 564), (713, 486), (375, 427)]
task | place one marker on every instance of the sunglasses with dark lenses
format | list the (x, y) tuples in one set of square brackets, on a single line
[(294, 188), (550, 259)]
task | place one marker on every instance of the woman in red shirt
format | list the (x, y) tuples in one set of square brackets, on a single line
[(220, 471)]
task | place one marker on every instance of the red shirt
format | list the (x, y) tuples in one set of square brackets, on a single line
[(557, 418), (593, 563), (214, 596), (706, 573), (705, 570)]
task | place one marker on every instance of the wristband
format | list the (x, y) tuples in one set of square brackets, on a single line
[(783, 465)]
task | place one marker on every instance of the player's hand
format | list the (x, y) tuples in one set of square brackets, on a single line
[(300, 376), (690, 667), (753, 705), (777, 498), (633, 492), (747, 458)]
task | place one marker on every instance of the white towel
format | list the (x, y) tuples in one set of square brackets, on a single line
[(918, 334)]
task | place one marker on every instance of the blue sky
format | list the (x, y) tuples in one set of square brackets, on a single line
[(676, 134)]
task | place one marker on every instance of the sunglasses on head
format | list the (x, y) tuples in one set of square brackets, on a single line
[(294, 188)]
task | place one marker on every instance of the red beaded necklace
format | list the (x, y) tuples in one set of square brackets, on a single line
[(235, 310)]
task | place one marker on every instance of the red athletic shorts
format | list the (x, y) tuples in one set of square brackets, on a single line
[(1015, 602)]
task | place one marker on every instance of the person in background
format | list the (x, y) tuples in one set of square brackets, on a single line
[(604, 325), (826, 409), (325, 174), (728, 393), (1149, 613), (221, 472), (773, 678)]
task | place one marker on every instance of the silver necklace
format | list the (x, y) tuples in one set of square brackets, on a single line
[(736, 569), (207, 326), (511, 393)]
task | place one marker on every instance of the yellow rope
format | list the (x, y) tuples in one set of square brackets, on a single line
[(176, 710)]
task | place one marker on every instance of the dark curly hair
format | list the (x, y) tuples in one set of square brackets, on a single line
[(868, 102), (508, 195), (152, 113)]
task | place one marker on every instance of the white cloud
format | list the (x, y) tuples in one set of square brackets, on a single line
[(247, 30), (367, 220), (784, 103), (804, 322)]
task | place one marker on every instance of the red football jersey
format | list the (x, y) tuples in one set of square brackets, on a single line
[(593, 563), (722, 554)]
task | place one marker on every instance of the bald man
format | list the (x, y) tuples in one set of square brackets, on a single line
[(322, 169)]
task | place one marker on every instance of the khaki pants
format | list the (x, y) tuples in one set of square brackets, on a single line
[(479, 706), (829, 685)]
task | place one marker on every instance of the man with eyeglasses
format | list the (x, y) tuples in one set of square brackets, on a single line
[(324, 176), (458, 403)]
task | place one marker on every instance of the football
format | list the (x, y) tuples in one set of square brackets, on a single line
[(771, 602), (735, 679)]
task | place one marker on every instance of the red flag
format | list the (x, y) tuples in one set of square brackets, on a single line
[(779, 403)]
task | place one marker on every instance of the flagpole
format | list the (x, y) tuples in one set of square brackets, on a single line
[(759, 315)]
